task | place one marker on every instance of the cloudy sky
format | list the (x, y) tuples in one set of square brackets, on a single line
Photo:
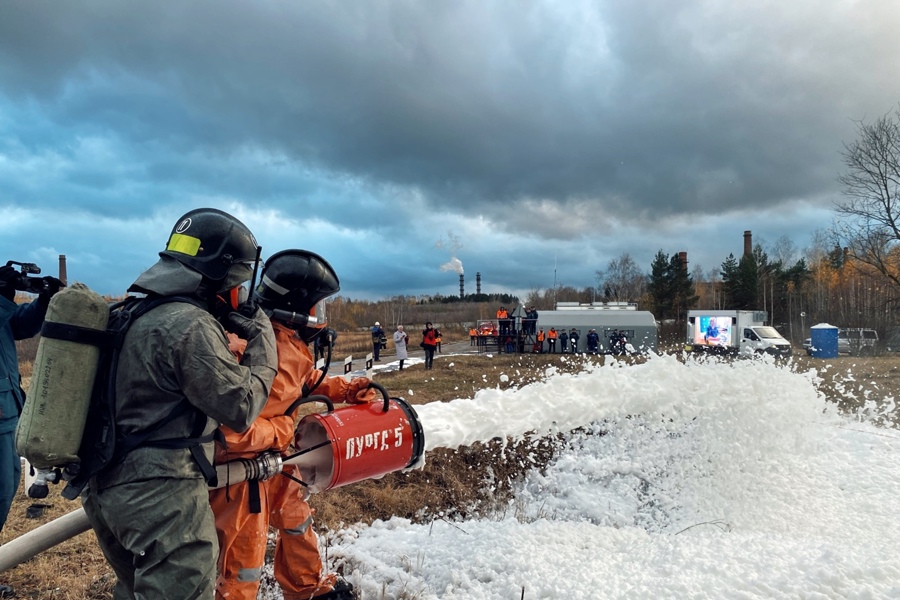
[(531, 141)]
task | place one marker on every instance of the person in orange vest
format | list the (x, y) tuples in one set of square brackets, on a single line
[(539, 345), (551, 340), (473, 335), (429, 343), (503, 318)]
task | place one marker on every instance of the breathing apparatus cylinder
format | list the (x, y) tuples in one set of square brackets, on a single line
[(52, 421)]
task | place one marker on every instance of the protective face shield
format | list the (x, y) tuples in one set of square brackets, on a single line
[(308, 326), (316, 322), (293, 289)]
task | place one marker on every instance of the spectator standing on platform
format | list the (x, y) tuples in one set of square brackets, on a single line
[(531, 317), (429, 343), (563, 342), (551, 340), (377, 339), (503, 320), (400, 341), (573, 340)]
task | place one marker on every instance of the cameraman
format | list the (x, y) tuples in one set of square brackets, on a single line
[(17, 322)]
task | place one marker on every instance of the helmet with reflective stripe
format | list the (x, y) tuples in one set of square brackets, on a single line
[(297, 282), (211, 242)]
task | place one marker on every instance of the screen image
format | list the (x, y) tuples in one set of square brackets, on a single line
[(712, 331)]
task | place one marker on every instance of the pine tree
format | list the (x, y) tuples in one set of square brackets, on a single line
[(671, 287), (682, 288), (659, 285)]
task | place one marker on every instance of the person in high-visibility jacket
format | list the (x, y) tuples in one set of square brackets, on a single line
[(503, 319), (540, 340), (551, 339), (294, 281)]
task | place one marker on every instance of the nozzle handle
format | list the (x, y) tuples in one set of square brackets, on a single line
[(307, 399), (384, 393)]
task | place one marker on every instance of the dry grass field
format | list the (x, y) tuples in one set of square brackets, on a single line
[(452, 482)]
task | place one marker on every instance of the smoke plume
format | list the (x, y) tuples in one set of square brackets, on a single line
[(454, 246)]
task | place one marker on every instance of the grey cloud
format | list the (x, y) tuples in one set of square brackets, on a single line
[(472, 104)]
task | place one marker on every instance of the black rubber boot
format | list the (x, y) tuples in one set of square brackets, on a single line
[(342, 590)]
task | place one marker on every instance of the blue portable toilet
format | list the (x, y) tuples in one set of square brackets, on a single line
[(824, 340)]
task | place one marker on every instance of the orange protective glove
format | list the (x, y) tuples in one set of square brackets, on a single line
[(359, 392), (283, 432)]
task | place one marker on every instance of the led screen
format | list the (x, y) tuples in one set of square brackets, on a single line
[(712, 331)]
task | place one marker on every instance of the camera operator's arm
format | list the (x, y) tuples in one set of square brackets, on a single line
[(8, 277), (25, 320)]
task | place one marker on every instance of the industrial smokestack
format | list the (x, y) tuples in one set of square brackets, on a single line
[(462, 286), (62, 269), (682, 258), (748, 243), (478, 283)]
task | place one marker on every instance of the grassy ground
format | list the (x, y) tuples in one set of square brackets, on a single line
[(452, 482)]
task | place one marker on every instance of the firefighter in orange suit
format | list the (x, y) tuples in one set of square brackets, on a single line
[(292, 284)]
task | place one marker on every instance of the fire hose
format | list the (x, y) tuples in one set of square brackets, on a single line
[(43, 538), (27, 546)]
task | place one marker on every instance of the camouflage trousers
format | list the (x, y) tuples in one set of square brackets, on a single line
[(159, 537)]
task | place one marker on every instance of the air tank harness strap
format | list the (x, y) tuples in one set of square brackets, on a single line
[(193, 442), (74, 333)]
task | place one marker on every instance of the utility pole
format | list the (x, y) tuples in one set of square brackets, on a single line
[(555, 290)]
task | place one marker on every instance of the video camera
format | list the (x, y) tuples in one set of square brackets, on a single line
[(24, 283)]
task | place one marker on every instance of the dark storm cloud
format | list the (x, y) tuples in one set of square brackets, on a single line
[(637, 106)]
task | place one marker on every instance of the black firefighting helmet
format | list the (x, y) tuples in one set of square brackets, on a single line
[(296, 282), (211, 242)]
